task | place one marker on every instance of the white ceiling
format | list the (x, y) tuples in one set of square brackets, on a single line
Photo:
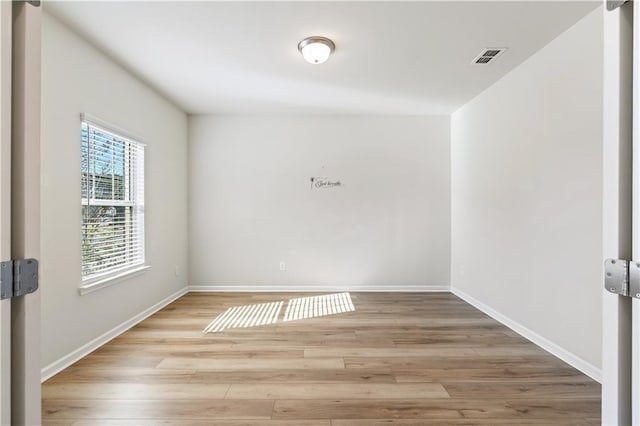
[(390, 58)]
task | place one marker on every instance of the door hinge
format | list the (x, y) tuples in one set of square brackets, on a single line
[(622, 277), (18, 277)]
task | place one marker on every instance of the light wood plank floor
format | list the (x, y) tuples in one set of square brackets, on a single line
[(400, 359)]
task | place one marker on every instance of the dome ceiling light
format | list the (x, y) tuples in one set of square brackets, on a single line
[(316, 49)]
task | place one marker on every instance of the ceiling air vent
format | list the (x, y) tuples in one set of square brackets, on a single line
[(488, 55)]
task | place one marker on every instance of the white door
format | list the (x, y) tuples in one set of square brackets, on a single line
[(621, 315), (20, 207)]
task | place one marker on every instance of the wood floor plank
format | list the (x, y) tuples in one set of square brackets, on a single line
[(399, 359), (556, 408), (502, 375), (336, 391), (434, 409), (383, 409), (452, 422), (519, 350), (155, 422), (412, 340), (123, 391), (121, 375), (472, 362), (123, 348), (249, 364), (393, 352), (198, 351), (118, 361), (156, 409), (295, 376), (302, 343), (527, 390)]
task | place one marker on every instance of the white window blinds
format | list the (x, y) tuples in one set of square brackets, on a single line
[(112, 173)]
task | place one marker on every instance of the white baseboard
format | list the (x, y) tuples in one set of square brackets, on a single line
[(316, 288), (575, 361), (64, 362)]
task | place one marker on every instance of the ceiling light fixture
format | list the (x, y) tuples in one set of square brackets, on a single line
[(316, 49)]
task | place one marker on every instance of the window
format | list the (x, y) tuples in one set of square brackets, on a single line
[(112, 173)]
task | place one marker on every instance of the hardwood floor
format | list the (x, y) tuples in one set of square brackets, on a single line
[(400, 359)]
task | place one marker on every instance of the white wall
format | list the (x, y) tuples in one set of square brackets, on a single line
[(251, 205), (78, 78), (527, 195)]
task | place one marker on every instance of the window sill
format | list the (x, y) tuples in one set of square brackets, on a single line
[(92, 285)]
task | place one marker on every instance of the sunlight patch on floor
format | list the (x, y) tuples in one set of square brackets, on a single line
[(245, 316), (268, 313), (318, 306)]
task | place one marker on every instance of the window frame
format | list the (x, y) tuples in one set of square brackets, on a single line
[(135, 201)]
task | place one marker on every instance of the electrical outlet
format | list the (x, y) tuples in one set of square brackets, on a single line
[(283, 266), (461, 269), (177, 271)]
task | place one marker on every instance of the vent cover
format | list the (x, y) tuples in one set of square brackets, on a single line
[(488, 55)]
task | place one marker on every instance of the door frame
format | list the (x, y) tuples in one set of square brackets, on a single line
[(617, 210), (25, 207), (6, 19), (635, 303)]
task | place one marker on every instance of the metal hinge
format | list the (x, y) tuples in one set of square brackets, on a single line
[(18, 277), (622, 277)]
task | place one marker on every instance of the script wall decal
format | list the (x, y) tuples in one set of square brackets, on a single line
[(324, 183)]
